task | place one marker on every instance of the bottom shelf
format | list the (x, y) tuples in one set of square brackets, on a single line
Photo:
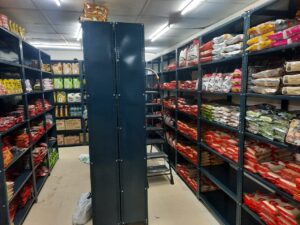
[(40, 183), (220, 205), (22, 213)]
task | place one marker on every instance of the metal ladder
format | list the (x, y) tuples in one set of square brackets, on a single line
[(155, 131)]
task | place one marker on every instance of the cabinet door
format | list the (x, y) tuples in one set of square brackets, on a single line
[(98, 42), (132, 139)]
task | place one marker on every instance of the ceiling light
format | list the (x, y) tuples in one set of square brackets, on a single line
[(158, 31), (57, 2), (192, 5), (184, 4), (162, 31), (79, 34), (47, 45)]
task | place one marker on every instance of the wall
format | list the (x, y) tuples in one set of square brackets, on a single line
[(71, 54)]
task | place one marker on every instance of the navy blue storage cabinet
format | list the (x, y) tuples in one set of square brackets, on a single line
[(115, 71)]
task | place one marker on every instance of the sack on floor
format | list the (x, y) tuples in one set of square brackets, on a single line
[(83, 211)]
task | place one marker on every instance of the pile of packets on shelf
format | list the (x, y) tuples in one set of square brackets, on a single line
[(225, 114), (35, 108), (63, 97), (189, 174), (224, 143), (170, 103), (10, 86), (222, 82), (224, 46), (274, 124), (275, 33), (189, 129), (39, 153), (284, 80), (190, 152), (189, 56), (94, 12), (171, 66), (188, 85), (48, 84), (11, 26), (183, 106), (37, 130), (272, 209), (168, 85), (67, 83), (66, 68), (20, 201), (278, 166), (12, 118)]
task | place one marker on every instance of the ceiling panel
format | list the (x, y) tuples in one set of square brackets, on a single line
[(39, 28), (25, 4), (23, 16), (61, 17), (164, 8)]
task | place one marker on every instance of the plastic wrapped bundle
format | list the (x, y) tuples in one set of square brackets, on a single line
[(293, 66)]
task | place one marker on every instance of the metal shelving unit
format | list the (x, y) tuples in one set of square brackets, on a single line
[(82, 104), (27, 54), (233, 180)]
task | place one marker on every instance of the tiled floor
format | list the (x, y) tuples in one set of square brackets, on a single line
[(168, 205)]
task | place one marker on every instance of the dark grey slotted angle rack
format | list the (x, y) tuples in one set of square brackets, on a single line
[(27, 66), (226, 204)]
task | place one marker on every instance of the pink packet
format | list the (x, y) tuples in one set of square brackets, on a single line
[(286, 34)]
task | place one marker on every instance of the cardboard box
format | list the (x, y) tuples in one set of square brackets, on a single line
[(82, 138), (73, 124), (60, 139), (72, 140), (60, 124)]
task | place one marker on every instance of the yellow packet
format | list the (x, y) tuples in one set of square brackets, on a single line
[(262, 29), (260, 46), (260, 38)]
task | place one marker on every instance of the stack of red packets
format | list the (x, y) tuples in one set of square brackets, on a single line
[(188, 151), (272, 210), (206, 52), (224, 143), (187, 85), (189, 174), (188, 129), (168, 85), (170, 103), (39, 153), (6, 152), (37, 131), (275, 165), (22, 139), (35, 108), (185, 107)]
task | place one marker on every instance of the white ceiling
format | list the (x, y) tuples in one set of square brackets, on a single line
[(46, 22)]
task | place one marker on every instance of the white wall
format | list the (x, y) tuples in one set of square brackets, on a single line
[(65, 54), (71, 54)]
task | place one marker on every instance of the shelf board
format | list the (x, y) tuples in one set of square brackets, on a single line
[(222, 177), (277, 49), (40, 183), (279, 97), (187, 137), (36, 117), (253, 214), (222, 209), (68, 103), (187, 68), (275, 143), (49, 73), (66, 76), (153, 104), (22, 213), (8, 63), (68, 90), (220, 125), (72, 145), (185, 157), (20, 181), (75, 130), (154, 141), (187, 114), (157, 155), (11, 95), (34, 93), (153, 116), (152, 91), (69, 117), (52, 126), (12, 129), (188, 91), (231, 162), (264, 183), (31, 68), (170, 90), (224, 60), (220, 94), (151, 129), (16, 158), (157, 170)]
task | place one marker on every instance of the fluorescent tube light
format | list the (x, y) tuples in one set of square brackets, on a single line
[(46, 45), (57, 2), (79, 34), (161, 32), (192, 5), (158, 31), (184, 4)]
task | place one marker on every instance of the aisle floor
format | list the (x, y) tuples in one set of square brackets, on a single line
[(168, 205)]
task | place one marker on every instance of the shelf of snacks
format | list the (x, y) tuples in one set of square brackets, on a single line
[(26, 100)]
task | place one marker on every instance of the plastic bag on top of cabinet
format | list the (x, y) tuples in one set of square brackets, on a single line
[(278, 72), (291, 90), (222, 38), (293, 66), (291, 80), (293, 135), (235, 40)]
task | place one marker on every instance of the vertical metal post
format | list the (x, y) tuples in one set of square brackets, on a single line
[(176, 104), (241, 132)]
